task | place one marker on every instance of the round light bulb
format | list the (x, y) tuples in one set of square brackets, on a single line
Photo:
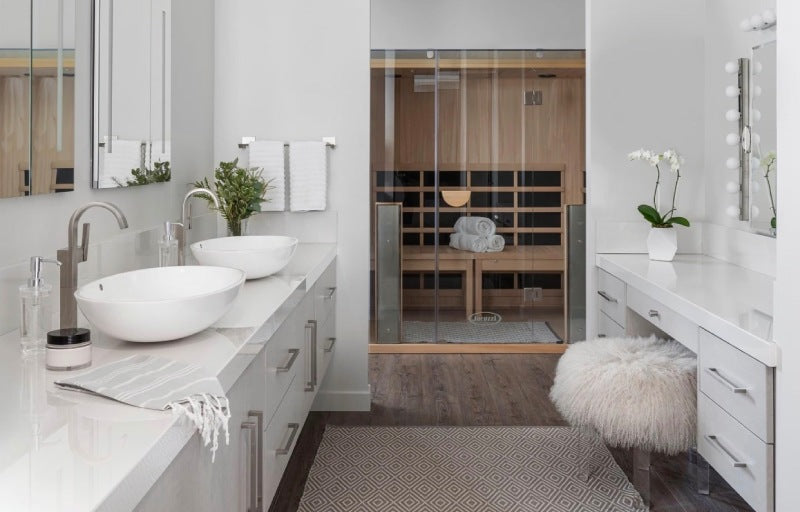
[(731, 91), (755, 187), (732, 211), (731, 67), (732, 163), (732, 187), (732, 139), (732, 115), (745, 25), (755, 138), (757, 68), (757, 90), (755, 211), (769, 17), (756, 114), (756, 21)]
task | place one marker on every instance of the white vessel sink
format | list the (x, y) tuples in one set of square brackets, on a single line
[(159, 304), (256, 256)]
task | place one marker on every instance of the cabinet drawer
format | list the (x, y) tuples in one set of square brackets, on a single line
[(326, 345), (608, 328), (284, 359), (677, 326), (611, 291), (280, 437), (742, 459), (325, 294), (738, 383)]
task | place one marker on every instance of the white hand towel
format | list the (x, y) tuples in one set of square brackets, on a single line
[(480, 226), (116, 166), (467, 242), (162, 384), (495, 243), (268, 155), (308, 176)]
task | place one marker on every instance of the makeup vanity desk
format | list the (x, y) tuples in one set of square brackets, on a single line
[(723, 313)]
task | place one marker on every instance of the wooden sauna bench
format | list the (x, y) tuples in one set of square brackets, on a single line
[(422, 259)]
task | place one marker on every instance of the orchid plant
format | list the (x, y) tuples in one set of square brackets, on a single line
[(652, 213), (769, 164)]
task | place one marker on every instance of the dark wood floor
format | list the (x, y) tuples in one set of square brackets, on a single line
[(481, 389)]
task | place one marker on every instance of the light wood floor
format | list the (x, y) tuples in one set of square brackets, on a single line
[(488, 389)]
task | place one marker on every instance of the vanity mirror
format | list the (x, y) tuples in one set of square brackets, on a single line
[(763, 140), (131, 125), (37, 70)]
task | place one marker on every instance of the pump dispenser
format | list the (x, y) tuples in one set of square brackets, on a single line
[(36, 317)]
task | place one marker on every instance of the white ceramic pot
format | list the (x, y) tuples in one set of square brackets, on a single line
[(662, 244)]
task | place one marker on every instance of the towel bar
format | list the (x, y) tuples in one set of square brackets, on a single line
[(329, 141)]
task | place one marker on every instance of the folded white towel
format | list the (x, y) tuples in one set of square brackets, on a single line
[(308, 176), (269, 156), (467, 242), (495, 243), (162, 384), (116, 166), (480, 226)]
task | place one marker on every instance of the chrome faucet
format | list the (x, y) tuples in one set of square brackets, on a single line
[(186, 219), (74, 254)]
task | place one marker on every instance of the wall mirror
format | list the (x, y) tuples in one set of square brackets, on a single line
[(37, 77), (131, 125), (763, 140)]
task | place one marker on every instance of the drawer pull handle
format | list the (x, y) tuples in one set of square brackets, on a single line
[(295, 352), (330, 347), (311, 361), (259, 415), (653, 313), (725, 381), (606, 296), (736, 463), (285, 450), (601, 335), (331, 293), (251, 477)]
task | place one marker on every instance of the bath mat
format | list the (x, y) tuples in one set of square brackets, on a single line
[(463, 469), (466, 332)]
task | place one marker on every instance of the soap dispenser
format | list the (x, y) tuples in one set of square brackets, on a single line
[(168, 246), (35, 311)]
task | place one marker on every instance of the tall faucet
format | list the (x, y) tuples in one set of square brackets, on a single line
[(186, 219), (74, 254)]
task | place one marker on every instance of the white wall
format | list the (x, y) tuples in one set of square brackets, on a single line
[(16, 16), (300, 70), (477, 24), (644, 89)]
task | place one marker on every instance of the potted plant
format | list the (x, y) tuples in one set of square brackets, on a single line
[(240, 192), (662, 242)]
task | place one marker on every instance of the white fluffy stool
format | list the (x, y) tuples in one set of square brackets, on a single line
[(638, 393)]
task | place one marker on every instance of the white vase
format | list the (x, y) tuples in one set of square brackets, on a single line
[(662, 244)]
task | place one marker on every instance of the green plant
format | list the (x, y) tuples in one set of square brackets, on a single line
[(651, 213), (770, 163), (158, 174), (240, 192)]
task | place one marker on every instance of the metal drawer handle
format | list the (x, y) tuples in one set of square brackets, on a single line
[(713, 440), (295, 352), (311, 360), (725, 381), (606, 296), (285, 450), (653, 313), (259, 415), (331, 293), (250, 482), (330, 347)]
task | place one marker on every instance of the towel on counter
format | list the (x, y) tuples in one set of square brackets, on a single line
[(467, 242), (480, 226), (162, 384), (495, 243), (268, 155), (308, 176), (116, 165)]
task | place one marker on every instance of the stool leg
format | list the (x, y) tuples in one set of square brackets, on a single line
[(701, 474), (641, 474), (588, 464)]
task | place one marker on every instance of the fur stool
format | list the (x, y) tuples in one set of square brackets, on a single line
[(638, 393)]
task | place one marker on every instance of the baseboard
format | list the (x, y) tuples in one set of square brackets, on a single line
[(333, 400)]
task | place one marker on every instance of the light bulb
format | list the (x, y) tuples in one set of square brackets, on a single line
[(732, 187), (731, 91), (755, 187), (754, 211), (732, 115), (731, 67), (757, 90), (732, 163), (757, 68), (732, 139), (745, 25), (756, 115), (755, 138), (769, 17), (756, 21), (732, 211)]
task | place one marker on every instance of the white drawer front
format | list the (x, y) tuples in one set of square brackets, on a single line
[(325, 294), (738, 383), (611, 291), (326, 345), (608, 328), (284, 359), (677, 326), (742, 459), (280, 437)]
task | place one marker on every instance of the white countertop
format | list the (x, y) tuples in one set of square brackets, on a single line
[(730, 301), (67, 451)]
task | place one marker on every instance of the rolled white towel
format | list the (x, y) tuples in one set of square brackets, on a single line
[(467, 242), (495, 243), (480, 226)]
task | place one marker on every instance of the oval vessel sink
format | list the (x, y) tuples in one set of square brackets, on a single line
[(256, 256), (159, 304)]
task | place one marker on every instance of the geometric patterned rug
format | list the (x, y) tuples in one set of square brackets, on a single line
[(463, 469), (466, 332)]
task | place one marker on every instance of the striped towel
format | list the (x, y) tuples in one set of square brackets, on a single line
[(162, 384), (268, 155), (308, 176)]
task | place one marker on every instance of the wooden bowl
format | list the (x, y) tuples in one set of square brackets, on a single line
[(456, 198)]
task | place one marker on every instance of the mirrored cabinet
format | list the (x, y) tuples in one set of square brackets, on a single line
[(763, 147), (37, 91)]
